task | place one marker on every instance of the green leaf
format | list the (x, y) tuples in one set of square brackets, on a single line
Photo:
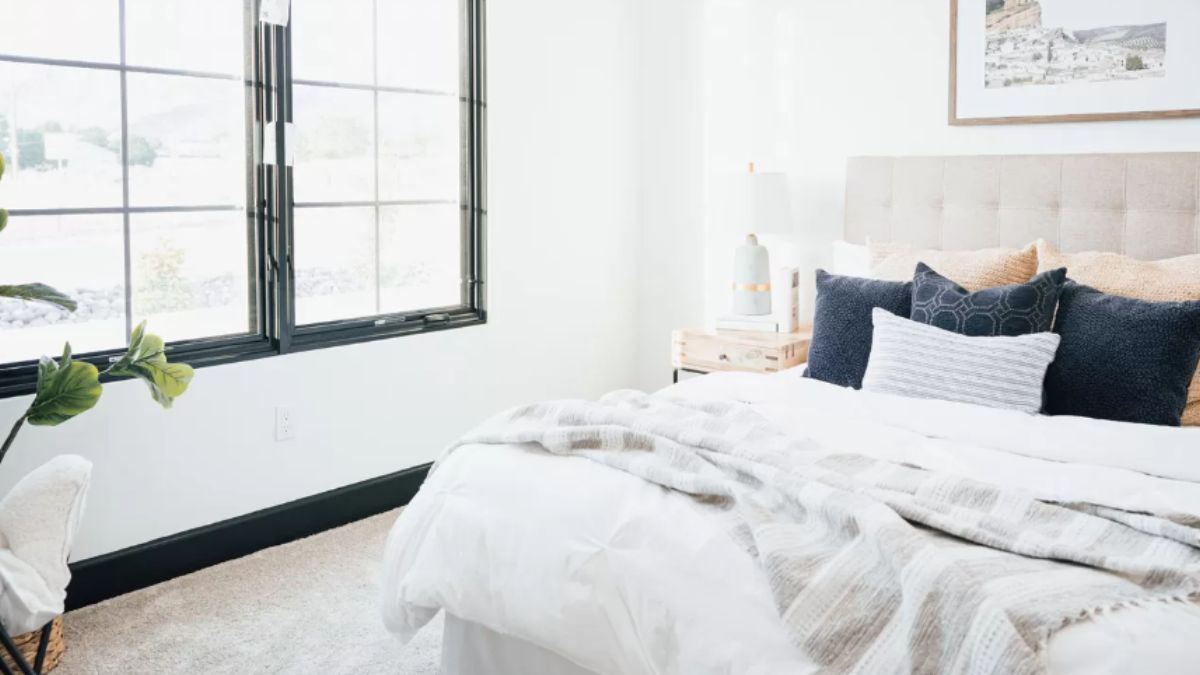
[(38, 293), (1, 164), (167, 381), (46, 369), (134, 353), (135, 338), (64, 390), (146, 359), (153, 349)]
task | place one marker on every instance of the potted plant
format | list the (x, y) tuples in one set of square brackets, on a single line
[(65, 389)]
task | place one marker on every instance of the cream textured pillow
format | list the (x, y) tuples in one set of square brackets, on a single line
[(1172, 280), (973, 270)]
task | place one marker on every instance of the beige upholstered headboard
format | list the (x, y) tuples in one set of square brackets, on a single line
[(1143, 205)]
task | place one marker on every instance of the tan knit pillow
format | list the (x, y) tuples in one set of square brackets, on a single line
[(1171, 280), (973, 270)]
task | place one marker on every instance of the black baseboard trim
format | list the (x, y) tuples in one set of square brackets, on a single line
[(107, 576)]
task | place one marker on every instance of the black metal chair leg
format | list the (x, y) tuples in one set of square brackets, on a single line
[(43, 643), (4, 669), (15, 653)]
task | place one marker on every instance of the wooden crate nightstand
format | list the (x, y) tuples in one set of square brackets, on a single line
[(698, 351)]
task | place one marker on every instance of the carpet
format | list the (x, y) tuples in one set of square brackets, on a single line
[(311, 606)]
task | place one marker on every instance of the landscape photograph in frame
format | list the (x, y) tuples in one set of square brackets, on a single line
[(1026, 61)]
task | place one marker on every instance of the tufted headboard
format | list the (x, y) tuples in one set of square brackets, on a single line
[(1143, 205)]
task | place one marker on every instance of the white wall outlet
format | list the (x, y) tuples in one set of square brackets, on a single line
[(285, 427)]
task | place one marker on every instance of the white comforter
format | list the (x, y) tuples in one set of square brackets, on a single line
[(603, 568)]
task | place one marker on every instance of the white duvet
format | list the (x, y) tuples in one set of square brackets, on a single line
[(623, 577)]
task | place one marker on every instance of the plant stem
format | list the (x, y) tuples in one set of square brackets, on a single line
[(12, 436)]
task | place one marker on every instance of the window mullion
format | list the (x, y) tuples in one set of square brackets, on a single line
[(275, 50), (126, 228), (285, 232), (477, 149), (255, 208), (375, 117)]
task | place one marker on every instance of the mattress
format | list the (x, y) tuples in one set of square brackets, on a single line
[(615, 576)]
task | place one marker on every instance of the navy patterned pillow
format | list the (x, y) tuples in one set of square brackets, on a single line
[(1123, 359), (1019, 309), (842, 325)]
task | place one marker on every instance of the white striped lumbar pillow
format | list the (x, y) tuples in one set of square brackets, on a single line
[(919, 361)]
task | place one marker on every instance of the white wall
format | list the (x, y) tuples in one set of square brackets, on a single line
[(821, 81), (564, 207), (670, 180)]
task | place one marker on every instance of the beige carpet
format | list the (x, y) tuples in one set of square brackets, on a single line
[(309, 607)]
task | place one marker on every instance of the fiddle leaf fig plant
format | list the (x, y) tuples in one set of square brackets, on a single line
[(67, 388), (64, 389), (38, 293), (146, 359)]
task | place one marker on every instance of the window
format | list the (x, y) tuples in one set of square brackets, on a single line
[(127, 159), (147, 177), (377, 151)]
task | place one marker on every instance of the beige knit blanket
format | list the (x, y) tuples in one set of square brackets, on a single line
[(878, 567)]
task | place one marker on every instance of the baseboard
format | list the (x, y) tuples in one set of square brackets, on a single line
[(107, 576)]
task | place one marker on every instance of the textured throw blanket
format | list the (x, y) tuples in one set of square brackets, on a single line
[(879, 567)]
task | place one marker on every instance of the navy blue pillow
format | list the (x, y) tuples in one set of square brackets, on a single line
[(842, 326), (1019, 309), (1123, 359)]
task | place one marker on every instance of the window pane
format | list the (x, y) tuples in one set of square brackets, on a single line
[(332, 41), (187, 141), (419, 44), (364, 145), (60, 132), (335, 156), (82, 256), (335, 264), (189, 273), (420, 257), (83, 30), (186, 35), (419, 147)]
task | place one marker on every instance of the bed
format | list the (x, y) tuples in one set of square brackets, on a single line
[(556, 564)]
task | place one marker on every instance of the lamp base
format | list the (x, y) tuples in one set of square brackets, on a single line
[(751, 279)]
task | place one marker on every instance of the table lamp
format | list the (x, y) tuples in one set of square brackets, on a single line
[(765, 209)]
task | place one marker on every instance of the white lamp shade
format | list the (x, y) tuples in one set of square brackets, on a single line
[(765, 206)]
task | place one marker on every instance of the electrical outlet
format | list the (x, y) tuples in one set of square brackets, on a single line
[(285, 428)]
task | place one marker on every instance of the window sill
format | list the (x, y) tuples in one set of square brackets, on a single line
[(20, 379)]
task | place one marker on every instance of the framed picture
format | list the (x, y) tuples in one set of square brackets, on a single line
[(1030, 61)]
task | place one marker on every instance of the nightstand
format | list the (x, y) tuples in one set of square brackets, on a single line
[(698, 351)]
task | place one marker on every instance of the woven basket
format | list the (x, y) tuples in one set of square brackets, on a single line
[(28, 644)]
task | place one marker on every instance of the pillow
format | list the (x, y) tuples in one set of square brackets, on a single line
[(1173, 280), (974, 270), (919, 361), (851, 260), (1121, 358), (1018, 309), (841, 340)]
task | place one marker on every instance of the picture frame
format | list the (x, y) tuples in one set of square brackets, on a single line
[(1058, 61)]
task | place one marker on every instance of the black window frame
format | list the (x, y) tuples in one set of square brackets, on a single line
[(270, 216)]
